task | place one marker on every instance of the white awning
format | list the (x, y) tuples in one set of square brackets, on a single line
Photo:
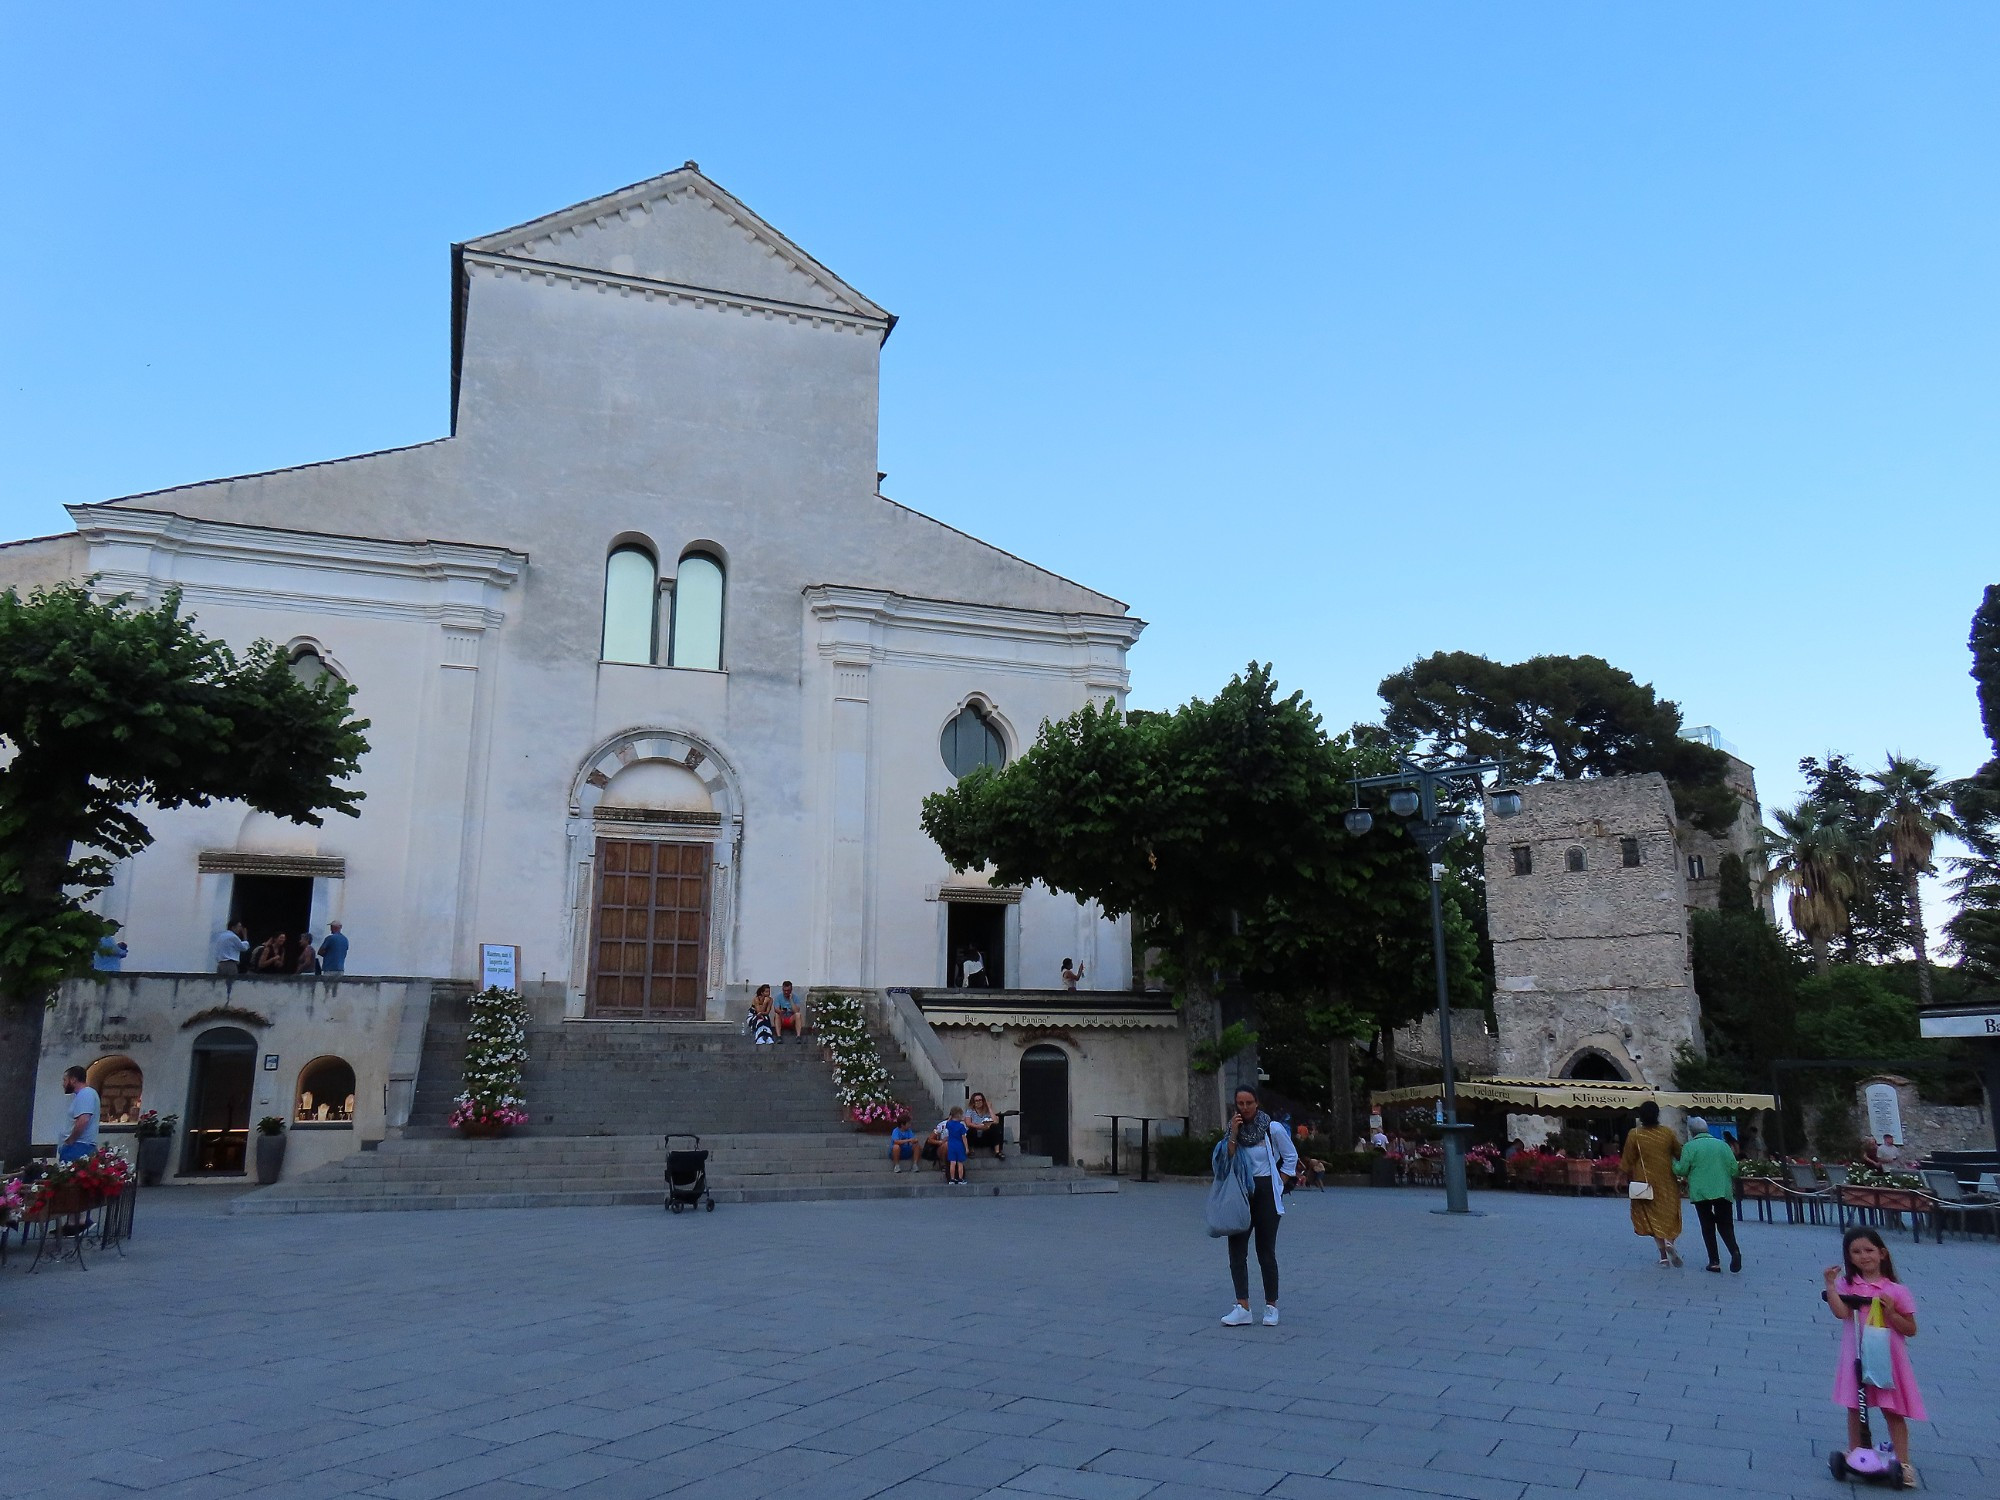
[(1555, 1095)]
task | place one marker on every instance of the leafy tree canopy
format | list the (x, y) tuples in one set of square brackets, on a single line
[(1556, 717), (1974, 929), (1218, 828), (1851, 1011), (105, 707)]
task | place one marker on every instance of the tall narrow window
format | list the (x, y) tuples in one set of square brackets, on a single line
[(1697, 867), (1573, 861), (631, 585), (697, 638), (1524, 859), (1628, 849)]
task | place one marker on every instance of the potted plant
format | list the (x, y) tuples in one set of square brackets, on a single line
[(155, 1134), (270, 1149)]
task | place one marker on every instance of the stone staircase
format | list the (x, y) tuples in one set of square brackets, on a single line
[(603, 1094)]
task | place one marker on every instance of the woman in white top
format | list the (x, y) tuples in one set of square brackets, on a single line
[(1272, 1161)]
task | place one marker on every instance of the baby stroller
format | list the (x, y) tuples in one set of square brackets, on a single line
[(687, 1176)]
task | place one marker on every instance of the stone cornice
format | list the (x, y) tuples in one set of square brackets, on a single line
[(549, 273), (685, 181), (146, 552), (836, 603)]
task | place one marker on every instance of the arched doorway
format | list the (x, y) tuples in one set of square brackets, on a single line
[(1045, 1103), (218, 1109), (1592, 1066)]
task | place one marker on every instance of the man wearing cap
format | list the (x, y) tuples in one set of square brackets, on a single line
[(1710, 1169)]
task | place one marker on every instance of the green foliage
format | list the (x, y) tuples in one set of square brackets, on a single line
[(1732, 881), (1209, 1056), (1747, 979), (106, 706), (1186, 1155), (1974, 929), (1218, 828), (1560, 717), (1852, 1012), (496, 1055), (1875, 920)]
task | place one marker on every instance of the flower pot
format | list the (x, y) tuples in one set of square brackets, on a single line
[(270, 1158), (873, 1127), (489, 1131), (154, 1153)]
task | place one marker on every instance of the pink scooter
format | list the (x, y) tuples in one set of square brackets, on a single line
[(1865, 1462)]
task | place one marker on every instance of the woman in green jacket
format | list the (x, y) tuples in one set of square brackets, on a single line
[(1710, 1169)]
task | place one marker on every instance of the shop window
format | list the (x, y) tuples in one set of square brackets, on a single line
[(1524, 860), (1628, 850), (1573, 861), (120, 1089), (326, 1092)]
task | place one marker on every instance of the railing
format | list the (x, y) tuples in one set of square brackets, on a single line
[(936, 1069)]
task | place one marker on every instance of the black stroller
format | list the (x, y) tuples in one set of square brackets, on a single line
[(687, 1176)]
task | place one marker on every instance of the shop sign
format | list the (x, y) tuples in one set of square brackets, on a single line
[(118, 1038), (1987, 1024)]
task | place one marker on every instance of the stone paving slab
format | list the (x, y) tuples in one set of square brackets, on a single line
[(969, 1349)]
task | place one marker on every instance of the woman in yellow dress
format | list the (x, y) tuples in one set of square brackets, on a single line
[(1649, 1158)]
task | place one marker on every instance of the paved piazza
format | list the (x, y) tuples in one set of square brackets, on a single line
[(953, 1349)]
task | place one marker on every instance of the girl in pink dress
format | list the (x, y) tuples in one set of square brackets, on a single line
[(1870, 1272)]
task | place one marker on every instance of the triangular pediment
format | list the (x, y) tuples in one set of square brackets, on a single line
[(681, 229)]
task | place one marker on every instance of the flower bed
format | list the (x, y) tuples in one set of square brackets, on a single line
[(859, 1074), (496, 1049), (73, 1187)]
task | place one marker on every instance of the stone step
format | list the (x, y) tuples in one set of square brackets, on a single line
[(275, 1201)]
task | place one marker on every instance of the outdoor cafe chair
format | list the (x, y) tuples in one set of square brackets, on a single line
[(1806, 1195), (1950, 1200)]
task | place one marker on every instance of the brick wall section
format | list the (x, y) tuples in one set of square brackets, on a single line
[(1740, 840), (1597, 959)]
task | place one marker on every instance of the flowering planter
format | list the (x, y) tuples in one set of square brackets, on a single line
[(1604, 1179), (65, 1201), (1760, 1187), (873, 1127), (488, 1131)]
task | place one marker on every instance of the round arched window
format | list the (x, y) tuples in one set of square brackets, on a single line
[(326, 1090), (121, 1088), (970, 740)]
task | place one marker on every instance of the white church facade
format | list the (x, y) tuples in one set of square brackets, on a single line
[(657, 679)]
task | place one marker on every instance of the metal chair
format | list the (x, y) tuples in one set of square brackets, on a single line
[(1836, 1176), (1949, 1199), (1806, 1195)]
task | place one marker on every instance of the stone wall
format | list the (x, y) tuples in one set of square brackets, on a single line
[(1591, 963), (1703, 852), (1472, 1042), (1925, 1127)]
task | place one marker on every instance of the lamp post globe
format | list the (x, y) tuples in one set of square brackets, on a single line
[(1403, 802), (1506, 803), (1359, 820)]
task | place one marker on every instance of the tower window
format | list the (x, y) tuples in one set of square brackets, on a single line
[(1697, 867), (1573, 861), (1524, 860), (1628, 850)]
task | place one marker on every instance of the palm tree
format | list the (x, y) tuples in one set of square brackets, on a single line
[(1814, 857), (1913, 813)]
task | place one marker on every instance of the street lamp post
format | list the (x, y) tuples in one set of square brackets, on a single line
[(1415, 792)]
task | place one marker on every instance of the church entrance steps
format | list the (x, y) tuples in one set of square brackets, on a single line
[(541, 1171)]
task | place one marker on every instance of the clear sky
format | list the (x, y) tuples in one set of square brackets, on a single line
[(1330, 336)]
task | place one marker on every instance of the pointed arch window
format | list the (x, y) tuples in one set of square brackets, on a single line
[(631, 602), (697, 622)]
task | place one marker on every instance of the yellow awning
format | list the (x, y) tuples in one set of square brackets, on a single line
[(1554, 1095)]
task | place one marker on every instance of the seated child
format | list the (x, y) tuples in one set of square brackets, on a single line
[(903, 1148)]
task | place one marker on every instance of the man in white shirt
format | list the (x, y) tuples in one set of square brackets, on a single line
[(1889, 1153), (83, 1109), (227, 947)]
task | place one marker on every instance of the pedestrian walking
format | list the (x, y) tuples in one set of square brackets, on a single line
[(83, 1112), (1648, 1162), (1710, 1169), (1260, 1153)]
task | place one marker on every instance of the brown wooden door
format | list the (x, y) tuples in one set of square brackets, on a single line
[(650, 951)]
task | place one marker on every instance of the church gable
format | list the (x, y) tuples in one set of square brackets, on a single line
[(682, 230)]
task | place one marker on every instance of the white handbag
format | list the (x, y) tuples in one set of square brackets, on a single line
[(1639, 1190)]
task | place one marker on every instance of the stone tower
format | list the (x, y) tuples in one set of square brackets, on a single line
[(1587, 900)]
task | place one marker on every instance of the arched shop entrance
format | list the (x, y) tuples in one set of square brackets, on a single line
[(218, 1108)]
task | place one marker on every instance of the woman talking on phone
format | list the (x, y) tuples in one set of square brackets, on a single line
[(1261, 1149)]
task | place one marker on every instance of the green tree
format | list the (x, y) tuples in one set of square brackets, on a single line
[(104, 707), (1851, 1011), (1911, 811), (1812, 855), (1876, 925), (1556, 717), (1747, 979), (1213, 826), (1974, 929)]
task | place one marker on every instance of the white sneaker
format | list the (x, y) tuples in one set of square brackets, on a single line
[(1270, 1315), (1236, 1317)]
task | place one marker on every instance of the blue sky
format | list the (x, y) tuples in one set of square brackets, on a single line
[(1329, 335)]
